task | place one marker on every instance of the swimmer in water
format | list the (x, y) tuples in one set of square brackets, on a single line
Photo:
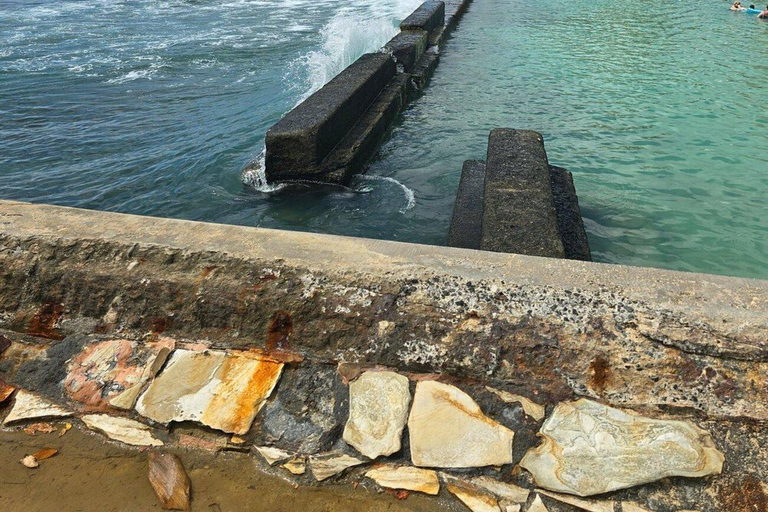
[(764, 15), (737, 6)]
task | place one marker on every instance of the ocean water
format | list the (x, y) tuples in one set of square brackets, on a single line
[(659, 109)]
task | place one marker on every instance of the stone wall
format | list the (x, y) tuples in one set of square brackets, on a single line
[(674, 347)]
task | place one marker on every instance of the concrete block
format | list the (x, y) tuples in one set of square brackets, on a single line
[(454, 9), (569, 222), (429, 16), (467, 222), (407, 47), (301, 139), (519, 211), (424, 68)]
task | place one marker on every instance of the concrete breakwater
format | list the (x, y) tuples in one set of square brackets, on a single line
[(514, 342), (516, 202), (332, 134)]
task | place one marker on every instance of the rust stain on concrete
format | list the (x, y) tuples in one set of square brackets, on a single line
[(279, 330), (46, 319)]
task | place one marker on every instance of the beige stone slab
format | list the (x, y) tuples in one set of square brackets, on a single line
[(378, 410), (589, 448), (127, 398), (122, 429), (327, 465), (448, 430), (406, 477), (531, 408), (474, 498), (628, 506), (273, 455), (537, 505), (297, 466), (503, 490), (222, 390), (29, 406), (581, 504)]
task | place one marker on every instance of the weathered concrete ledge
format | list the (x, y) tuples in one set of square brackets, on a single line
[(667, 344), (516, 202), (331, 136)]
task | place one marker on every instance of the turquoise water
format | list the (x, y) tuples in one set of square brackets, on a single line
[(154, 107)]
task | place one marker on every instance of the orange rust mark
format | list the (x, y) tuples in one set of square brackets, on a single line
[(279, 330), (599, 373), (6, 390), (207, 271), (161, 323), (44, 322)]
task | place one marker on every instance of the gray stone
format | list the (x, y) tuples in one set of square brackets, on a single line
[(589, 448), (569, 221), (519, 212), (378, 410), (407, 47), (297, 144), (428, 16), (308, 410), (466, 229)]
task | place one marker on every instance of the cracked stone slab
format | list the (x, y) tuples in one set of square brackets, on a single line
[(222, 390), (449, 430), (103, 372), (589, 448), (272, 454), (331, 464), (474, 498), (406, 477), (378, 410), (29, 406), (122, 429)]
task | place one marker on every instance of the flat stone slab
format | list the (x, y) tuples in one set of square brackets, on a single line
[(125, 430), (519, 211), (407, 478), (448, 430), (428, 16), (589, 448), (221, 390), (29, 406), (327, 465), (378, 410)]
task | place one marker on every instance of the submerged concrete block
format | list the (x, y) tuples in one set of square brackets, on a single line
[(519, 210), (407, 47), (424, 68), (308, 133), (467, 222), (569, 222), (429, 16)]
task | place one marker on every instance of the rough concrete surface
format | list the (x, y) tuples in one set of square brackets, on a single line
[(466, 228)]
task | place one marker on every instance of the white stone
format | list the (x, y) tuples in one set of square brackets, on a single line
[(531, 408), (537, 505), (378, 410), (503, 490), (122, 429), (273, 455), (589, 448), (406, 477), (448, 430), (508, 506), (581, 504), (327, 465), (29, 406), (222, 390)]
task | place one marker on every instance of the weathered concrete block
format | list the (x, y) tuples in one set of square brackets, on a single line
[(424, 68), (361, 143), (466, 228), (407, 47), (301, 139), (429, 16), (519, 210), (454, 9), (569, 222)]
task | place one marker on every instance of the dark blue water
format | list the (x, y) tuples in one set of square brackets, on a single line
[(154, 107)]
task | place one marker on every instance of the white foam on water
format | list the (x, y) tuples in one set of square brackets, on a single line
[(410, 196), (255, 176)]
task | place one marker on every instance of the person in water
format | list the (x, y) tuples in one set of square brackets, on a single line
[(737, 6), (764, 15)]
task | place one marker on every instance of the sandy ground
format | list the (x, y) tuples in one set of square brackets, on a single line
[(90, 474)]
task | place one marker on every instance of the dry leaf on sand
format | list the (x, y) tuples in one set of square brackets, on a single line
[(169, 480)]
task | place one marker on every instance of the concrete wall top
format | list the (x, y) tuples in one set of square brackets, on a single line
[(428, 16)]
